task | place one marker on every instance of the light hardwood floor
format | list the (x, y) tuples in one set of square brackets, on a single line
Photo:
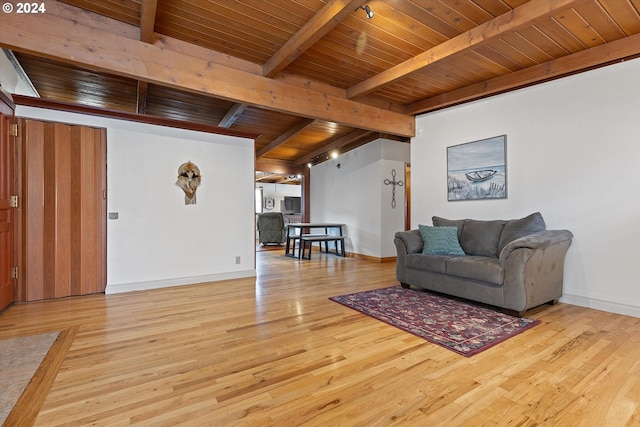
[(274, 351)]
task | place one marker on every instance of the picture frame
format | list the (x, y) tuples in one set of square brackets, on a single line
[(477, 170), (269, 203)]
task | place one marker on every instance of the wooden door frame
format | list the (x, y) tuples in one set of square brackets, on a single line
[(7, 107), (305, 182), (407, 196)]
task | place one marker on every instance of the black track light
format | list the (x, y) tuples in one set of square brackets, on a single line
[(367, 10)]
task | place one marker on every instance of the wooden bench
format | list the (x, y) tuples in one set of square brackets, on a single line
[(308, 240), (291, 244)]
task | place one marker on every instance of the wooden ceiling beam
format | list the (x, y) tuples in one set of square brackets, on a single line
[(141, 99), (147, 24), (189, 49), (148, 10), (69, 107), (102, 23), (90, 19), (232, 115), (316, 28), (70, 41), (350, 138), (277, 166), (268, 176), (605, 54), (285, 137), (525, 15), (287, 179)]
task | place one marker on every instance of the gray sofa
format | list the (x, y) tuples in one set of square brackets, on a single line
[(512, 264)]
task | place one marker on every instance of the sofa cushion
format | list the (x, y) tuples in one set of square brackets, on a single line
[(516, 228), (481, 238), (479, 268), (440, 240), (435, 263), (444, 222)]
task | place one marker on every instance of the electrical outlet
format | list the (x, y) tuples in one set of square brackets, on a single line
[(237, 260)]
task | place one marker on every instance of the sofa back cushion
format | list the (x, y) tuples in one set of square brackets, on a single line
[(440, 240), (488, 238), (481, 238), (444, 222), (516, 228)]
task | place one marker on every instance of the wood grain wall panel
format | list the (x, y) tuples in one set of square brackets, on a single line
[(75, 202), (33, 211), (61, 185), (65, 212), (89, 229), (88, 205), (48, 237)]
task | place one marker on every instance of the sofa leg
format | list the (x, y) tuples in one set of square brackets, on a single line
[(513, 312), (405, 285), (554, 302)]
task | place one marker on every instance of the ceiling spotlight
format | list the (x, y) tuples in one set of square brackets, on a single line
[(334, 154), (367, 10)]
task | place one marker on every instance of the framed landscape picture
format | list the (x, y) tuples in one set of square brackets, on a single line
[(477, 170)]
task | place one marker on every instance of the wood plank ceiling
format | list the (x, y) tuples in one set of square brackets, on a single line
[(310, 76)]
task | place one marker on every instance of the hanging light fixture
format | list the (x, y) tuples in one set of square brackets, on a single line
[(367, 10)]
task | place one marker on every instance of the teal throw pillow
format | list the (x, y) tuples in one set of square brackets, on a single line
[(440, 240)]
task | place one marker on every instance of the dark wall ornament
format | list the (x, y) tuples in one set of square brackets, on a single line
[(189, 180), (394, 183)]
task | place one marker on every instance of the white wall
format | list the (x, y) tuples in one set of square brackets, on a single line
[(355, 195), (278, 192), (157, 240), (573, 153)]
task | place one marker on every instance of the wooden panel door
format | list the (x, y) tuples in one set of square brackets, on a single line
[(7, 212), (64, 210)]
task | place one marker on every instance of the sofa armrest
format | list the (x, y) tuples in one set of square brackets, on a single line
[(410, 242), (407, 242), (534, 241), (533, 269)]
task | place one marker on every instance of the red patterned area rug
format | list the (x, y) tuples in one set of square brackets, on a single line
[(456, 325)]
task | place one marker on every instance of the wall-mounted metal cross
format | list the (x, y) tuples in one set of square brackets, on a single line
[(393, 182)]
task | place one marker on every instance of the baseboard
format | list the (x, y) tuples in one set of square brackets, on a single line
[(372, 258), (599, 304), (179, 281)]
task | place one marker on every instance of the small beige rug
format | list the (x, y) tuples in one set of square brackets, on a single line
[(19, 360)]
